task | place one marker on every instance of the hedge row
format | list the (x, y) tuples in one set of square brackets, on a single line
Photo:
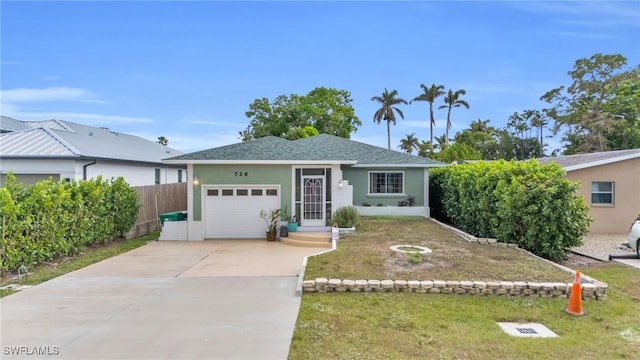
[(50, 219), (526, 203)]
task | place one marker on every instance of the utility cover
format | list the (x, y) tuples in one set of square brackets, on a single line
[(526, 330)]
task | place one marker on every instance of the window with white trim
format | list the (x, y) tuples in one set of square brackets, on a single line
[(386, 182), (602, 192)]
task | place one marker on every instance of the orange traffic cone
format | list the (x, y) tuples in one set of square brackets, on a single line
[(575, 298)]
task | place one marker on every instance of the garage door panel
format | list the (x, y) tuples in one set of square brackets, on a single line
[(237, 215)]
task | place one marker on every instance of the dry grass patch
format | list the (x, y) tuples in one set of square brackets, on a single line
[(366, 255)]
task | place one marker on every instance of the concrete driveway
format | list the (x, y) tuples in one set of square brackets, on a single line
[(217, 299)]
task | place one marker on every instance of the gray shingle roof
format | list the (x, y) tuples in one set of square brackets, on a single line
[(581, 161), (317, 148), (268, 148), (365, 154), (57, 138)]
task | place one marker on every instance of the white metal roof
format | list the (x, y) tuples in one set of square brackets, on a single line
[(57, 138)]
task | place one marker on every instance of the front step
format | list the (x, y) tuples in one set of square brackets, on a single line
[(308, 239)]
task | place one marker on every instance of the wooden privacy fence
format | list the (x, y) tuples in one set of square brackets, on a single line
[(154, 200)]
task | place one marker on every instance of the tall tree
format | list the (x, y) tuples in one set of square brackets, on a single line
[(425, 149), (457, 152), (441, 142), (452, 100), (409, 143), (480, 137), (430, 94), (388, 110), (516, 141), (327, 110), (586, 110), (537, 120)]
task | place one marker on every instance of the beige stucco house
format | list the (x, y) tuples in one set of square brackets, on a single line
[(610, 186)]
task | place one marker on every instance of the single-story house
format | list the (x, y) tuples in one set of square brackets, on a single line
[(63, 150), (310, 177), (610, 186)]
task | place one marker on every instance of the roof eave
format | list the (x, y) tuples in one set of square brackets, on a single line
[(257, 162), (602, 162), (398, 165)]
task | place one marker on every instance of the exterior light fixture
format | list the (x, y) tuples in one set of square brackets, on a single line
[(196, 182)]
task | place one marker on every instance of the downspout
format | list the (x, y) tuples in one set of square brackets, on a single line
[(84, 169)]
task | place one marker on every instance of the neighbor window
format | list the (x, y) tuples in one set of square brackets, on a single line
[(602, 192), (179, 175), (386, 182), (157, 176)]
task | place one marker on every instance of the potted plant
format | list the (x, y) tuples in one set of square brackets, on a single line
[(292, 224), (271, 218)]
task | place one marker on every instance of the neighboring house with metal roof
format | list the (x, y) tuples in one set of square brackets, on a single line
[(610, 186), (311, 177), (62, 150)]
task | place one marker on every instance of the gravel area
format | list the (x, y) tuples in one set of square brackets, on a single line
[(600, 246)]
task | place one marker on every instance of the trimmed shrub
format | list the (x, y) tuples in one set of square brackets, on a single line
[(346, 217), (526, 203), (52, 219)]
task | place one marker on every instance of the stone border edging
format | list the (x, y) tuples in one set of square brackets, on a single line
[(303, 267), (507, 288)]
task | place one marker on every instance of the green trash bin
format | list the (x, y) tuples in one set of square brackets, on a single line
[(173, 216)]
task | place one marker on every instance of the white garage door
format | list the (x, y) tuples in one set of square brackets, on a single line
[(234, 211)]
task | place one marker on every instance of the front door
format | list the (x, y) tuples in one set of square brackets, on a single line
[(313, 204)]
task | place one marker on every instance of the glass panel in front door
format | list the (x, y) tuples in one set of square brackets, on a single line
[(313, 195)]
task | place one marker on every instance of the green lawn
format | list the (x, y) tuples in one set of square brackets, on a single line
[(91, 255), (366, 255), (442, 326)]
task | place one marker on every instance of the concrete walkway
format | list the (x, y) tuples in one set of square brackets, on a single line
[(219, 299)]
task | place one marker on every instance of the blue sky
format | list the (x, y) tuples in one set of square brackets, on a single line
[(189, 70)]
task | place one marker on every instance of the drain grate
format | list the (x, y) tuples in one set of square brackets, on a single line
[(526, 330)]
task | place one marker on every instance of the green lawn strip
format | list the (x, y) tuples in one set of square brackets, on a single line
[(366, 255), (43, 272), (442, 326)]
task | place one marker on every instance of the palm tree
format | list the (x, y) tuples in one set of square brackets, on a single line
[(452, 100), (388, 110), (409, 143), (538, 120), (425, 149), (480, 126), (442, 142), (163, 140), (429, 95)]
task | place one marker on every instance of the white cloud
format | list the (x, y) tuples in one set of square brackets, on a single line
[(79, 117), (25, 95), (587, 13), (15, 103)]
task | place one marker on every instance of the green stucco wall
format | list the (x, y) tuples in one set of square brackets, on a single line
[(359, 179), (241, 175)]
